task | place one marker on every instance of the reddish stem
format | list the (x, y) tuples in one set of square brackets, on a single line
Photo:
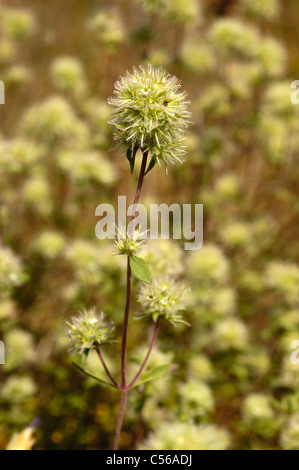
[(147, 356), (120, 419), (127, 314), (125, 326), (106, 369)]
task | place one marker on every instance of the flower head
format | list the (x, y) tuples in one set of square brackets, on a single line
[(163, 299), (187, 435), (129, 244), (89, 330), (151, 114)]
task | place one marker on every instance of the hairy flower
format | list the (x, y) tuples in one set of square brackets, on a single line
[(89, 330), (151, 114), (163, 299), (128, 244)]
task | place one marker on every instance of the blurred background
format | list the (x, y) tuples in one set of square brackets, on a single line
[(232, 383)]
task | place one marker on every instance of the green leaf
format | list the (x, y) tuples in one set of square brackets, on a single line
[(93, 376), (140, 269), (131, 154), (156, 373), (151, 165)]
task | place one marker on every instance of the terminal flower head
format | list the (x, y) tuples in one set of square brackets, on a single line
[(150, 113), (129, 244)]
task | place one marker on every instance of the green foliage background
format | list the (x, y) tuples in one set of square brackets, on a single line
[(231, 383)]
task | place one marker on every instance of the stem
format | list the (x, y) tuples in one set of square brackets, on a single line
[(125, 326), (120, 419), (106, 368), (139, 186), (127, 314), (147, 356)]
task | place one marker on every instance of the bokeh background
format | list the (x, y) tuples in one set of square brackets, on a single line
[(231, 382)]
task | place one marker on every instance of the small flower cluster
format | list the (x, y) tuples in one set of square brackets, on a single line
[(188, 436), (128, 244), (88, 331), (163, 299), (151, 114)]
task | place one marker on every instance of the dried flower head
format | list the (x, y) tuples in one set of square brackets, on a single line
[(163, 299), (89, 330), (151, 114)]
